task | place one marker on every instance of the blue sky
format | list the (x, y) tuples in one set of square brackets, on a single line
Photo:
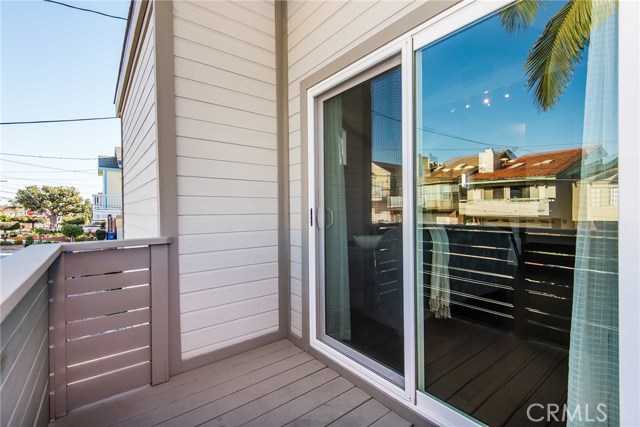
[(58, 63), (473, 88)]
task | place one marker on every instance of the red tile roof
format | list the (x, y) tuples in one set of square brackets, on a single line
[(449, 173), (550, 163)]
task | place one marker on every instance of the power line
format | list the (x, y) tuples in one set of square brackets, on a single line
[(45, 182), (87, 10), (49, 157), (9, 178), (32, 122), (54, 171), (438, 132), (45, 167)]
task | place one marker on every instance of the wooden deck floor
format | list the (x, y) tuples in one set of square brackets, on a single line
[(491, 374), (274, 385)]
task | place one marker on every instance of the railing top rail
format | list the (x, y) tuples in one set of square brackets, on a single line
[(112, 244), (20, 272)]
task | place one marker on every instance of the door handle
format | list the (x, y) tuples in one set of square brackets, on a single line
[(329, 218)]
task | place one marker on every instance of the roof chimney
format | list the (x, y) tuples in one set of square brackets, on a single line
[(488, 161)]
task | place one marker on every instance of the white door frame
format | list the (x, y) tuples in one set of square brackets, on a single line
[(446, 23)]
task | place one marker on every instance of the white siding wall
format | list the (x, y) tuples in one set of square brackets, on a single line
[(139, 143), (320, 32), (114, 182), (227, 175)]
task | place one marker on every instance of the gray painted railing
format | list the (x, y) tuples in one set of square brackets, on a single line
[(90, 304)]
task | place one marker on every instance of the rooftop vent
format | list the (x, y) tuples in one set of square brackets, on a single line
[(543, 163)]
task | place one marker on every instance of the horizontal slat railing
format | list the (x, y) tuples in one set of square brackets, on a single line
[(24, 370), (517, 278), (109, 312)]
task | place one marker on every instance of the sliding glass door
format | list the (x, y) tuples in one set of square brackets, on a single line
[(362, 222), (465, 237), (517, 221)]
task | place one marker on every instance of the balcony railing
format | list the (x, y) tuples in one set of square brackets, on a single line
[(506, 207), (107, 202), (77, 325)]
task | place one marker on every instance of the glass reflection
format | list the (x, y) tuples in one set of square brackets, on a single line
[(362, 235), (516, 227)]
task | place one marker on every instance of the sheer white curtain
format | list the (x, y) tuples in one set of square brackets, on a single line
[(593, 357), (338, 315)]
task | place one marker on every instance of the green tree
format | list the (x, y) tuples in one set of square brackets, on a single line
[(8, 226), (40, 232), (77, 219), (551, 61), (72, 231), (53, 201)]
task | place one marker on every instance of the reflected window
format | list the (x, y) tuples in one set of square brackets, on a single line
[(517, 277), (363, 284)]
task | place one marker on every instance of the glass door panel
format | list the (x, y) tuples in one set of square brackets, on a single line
[(362, 232), (517, 225)]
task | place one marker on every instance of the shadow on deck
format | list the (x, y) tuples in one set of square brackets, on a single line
[(274, 385)]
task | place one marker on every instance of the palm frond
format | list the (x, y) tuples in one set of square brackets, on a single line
[(519, 15), (550, 63), (601, 10)]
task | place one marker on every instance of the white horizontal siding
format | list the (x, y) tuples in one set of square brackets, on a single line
[(139, 143), (229, 333), (319, 32), (196, 282), (203, 243), (227, 172)]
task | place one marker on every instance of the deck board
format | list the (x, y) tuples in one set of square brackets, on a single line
[(364, 415), (303, 404), (332, 410), (274, 385)]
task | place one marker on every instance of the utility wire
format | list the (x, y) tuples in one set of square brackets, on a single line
[(45, 182), (45, 167), (49, 157), (54, 171), (87, 10), (9, 178), (58, 121)]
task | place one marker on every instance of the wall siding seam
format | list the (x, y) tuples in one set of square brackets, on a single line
[(246, 44), (225, 70), (292, 28), (250, 10), (223, 18), (312, 30), (143, 121), (225, 124), (185, 139), (270, 116), (138, 88), (229, 18), (236, 339), (138, 55)]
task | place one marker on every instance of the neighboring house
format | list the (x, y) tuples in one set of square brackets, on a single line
[(535, 189), (386, 194), (16, 211), (601, 192), (260, 140), (109, 201), (444, 185)]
